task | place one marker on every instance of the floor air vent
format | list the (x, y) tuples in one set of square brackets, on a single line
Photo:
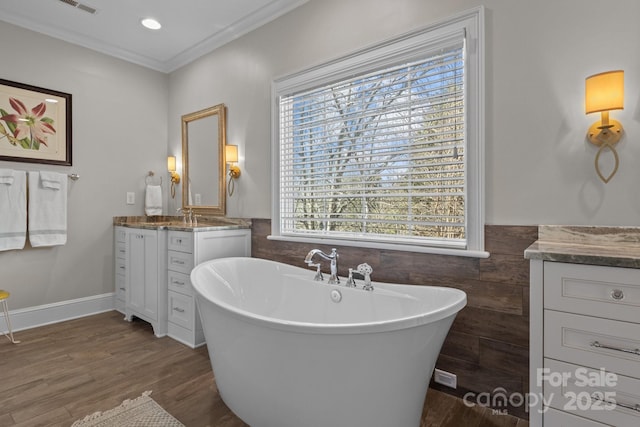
[(80, 6)]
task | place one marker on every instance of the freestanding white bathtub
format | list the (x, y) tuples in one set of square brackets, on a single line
[(286, 353)]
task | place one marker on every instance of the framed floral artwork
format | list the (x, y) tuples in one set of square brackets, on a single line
[(35, 124)]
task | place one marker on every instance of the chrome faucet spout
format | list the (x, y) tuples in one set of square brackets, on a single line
[(333, 258), (309, 258)]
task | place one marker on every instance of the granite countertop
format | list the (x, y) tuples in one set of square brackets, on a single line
[(608, 246), (176, 223)]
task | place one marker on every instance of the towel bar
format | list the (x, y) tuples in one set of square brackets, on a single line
[(149, 179)]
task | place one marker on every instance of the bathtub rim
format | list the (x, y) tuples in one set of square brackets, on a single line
[(406, 322)]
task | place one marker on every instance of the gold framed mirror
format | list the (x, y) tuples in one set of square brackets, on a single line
[(203, 140)]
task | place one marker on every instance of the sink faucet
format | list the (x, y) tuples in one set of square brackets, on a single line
[(188, 216), (333, 257)]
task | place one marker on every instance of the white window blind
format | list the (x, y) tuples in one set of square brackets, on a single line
[(379, 155)]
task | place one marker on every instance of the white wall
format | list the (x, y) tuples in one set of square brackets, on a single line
[(539, 167), (119, 134)]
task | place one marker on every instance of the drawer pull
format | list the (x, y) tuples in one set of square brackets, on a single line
[(178, 309), (122, 267), (179, 262), (598, 396), (596, 344), (123, 289), (176, 282), (617, 294)]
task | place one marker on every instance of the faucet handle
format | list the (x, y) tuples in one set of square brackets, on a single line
[(318, 277), (350, 282)]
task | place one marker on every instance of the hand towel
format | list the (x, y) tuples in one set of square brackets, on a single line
[(7, 176), (52, 180), (13, 209), (153, 200), (47, 208)]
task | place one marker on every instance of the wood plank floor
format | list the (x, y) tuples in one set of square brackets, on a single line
[(60, 373)]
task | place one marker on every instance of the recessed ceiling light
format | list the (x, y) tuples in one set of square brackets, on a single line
[(151, 23)]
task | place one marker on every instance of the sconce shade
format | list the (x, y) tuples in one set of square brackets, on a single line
[(231, 153), (171, 163), (604, 92)]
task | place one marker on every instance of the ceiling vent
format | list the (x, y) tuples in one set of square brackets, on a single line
[(80, 6)]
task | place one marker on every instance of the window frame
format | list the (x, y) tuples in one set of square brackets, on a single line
[(407, 47)]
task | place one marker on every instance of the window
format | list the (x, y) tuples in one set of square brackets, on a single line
[(383, 148)]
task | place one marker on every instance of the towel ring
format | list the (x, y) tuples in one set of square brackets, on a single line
[(149, 178)]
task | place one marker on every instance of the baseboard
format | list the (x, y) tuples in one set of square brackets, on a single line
[(32, 317)]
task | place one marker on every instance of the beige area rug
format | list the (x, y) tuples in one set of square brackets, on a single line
[(139, 412)]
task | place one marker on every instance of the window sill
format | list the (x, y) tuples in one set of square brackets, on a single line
[(384, 246)]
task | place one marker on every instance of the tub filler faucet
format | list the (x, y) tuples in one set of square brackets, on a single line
[(333, 257)]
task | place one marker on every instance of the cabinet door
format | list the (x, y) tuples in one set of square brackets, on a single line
[(143, 272)]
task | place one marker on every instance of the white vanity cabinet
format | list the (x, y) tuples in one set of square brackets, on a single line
[(584, 344), (120, 256), (146, 272), (186, 250)]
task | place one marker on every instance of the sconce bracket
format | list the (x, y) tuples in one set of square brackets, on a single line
[(234, 171), (609, 135), (175, 177)]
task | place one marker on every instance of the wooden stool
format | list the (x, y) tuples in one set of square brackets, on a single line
[(4, 295)]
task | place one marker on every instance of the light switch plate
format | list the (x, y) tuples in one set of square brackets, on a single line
[(131, 198)]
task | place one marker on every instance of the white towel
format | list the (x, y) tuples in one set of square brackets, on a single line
[(47, 208), (7, 176), (13, 209), (153, 200), (52, 180)]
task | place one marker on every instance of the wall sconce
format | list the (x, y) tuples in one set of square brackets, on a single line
[(605, 92), (175, 177), (231, 157)]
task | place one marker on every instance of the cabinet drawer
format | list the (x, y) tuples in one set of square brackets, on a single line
[(121, 235), (593, 394), (121, 250), (591, 341), (180, 282), (181, 310), (121, 290), (609, 292), (555, 418), (180, 241), (180, 261), (121, 266)]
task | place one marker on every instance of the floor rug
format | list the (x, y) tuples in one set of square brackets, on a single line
[(140, 412)]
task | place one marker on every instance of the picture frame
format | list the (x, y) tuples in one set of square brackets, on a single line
[(35, 124)]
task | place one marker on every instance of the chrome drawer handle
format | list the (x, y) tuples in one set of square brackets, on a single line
[(617, 294), (178, 262), (596, 344), (178, 309), (175, 282), (123, 289), (598, 396)]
